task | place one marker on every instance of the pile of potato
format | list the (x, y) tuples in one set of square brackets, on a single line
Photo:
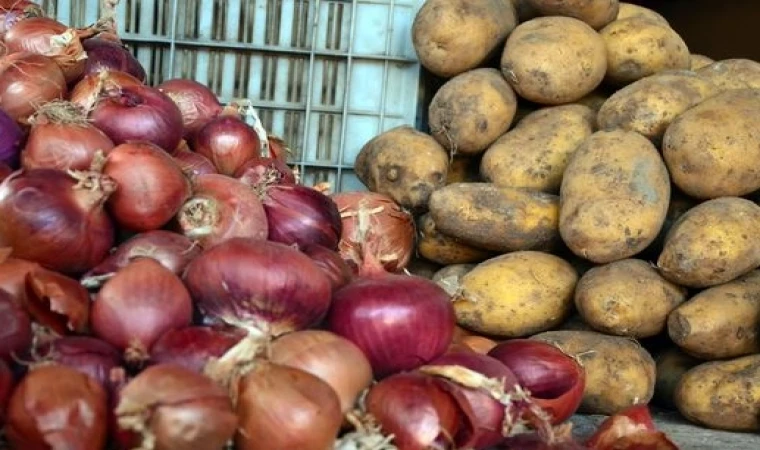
[(589, 182)]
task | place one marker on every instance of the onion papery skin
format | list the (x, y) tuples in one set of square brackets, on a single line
[(227, 142), (13, 272), (331, 263), (176, 409), (48, 37), (299, 215), (630, 429), (139, 113), (197, 102), (555, 380), (63, 143), (400, 322), (16, 332), (262, 171), (333, 359), (137, 305), (283, 408), (10, 144), (221, 208), (173, 250), (14, 11), (27, 80), (265, 286), (50, 219), (152, 186), (56, 407), (376, 224), (57, 302), (88, 90), (415, 410), (103, 54), (278, 149), (192, 347)]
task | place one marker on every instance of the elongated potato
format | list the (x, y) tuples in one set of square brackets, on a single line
[(619, 372), (638, 47), (405, 164), (596, 13), (554, 60), (650, 104), (723, 395), (442, 249), (672, 363), (713, 243), (500, 219), (700, 61), (454, 36), (720, 322), (472, 110), (516, 295), (627, 298), (614, 196), (712, 149), (535, 153), (626, 10), (450, 277), (736, 73)]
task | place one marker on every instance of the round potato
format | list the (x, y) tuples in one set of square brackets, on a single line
[(596, 13), (713, 243), (638, 47), (619, 372), (722, 395), (614, 196), (442, 249), (450, 277), (627, 298), (627, 10), (535, 153), (454, 36), (712, 149), (516, 295), (472, 110), (404, 164), (554, 60), (720, 322), (733, 74), (650, 104), (700, 61)]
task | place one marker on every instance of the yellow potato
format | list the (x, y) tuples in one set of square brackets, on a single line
[(535, 153), (734, 73), (554, 60), (516, 295), (626, 10), (614, 196), (596, 13), (700, 61), (442, 249)]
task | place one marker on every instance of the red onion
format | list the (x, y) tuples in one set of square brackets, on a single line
[(193, 347), (221, 208), (13, 274), (193, 164), (555, 380), (14, 11), (88, 90), (140, 303), (57, 302), (48, 37), (28, 80), (62, 138), (331, 263), (52, 219), (175, 408), (278, 149), (262, 171), (10, 144), (301, 216), (16, 332), (104, 54), (285, 408), (56, 407), (630, 429), (6, 388), (98, 359), (197, 102), (174, 251), (376, 224), (227, 142), (139, 113), (5, 170), (152, 186), (400, 322)]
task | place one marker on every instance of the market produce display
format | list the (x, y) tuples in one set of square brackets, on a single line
[(575, 232)]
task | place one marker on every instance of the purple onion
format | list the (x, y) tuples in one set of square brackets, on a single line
[(193, 347), (88, 355), (103, 54), (11, 138)]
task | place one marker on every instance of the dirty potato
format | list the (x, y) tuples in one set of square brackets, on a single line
[(501, 219), (614, 196), (596, 13), (699, 61), (450, 277), (472, 110), (442, 249), (734, 73), (554, 60), (535, 153), (516, 295)]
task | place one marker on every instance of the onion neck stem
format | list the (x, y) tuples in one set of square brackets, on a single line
[(198, 217)]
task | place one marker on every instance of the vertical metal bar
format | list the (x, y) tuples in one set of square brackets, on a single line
[(309, 86), (346, 96), (173, 38), (386, 65)]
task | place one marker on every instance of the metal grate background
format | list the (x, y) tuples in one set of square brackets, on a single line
[(326, 75)]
